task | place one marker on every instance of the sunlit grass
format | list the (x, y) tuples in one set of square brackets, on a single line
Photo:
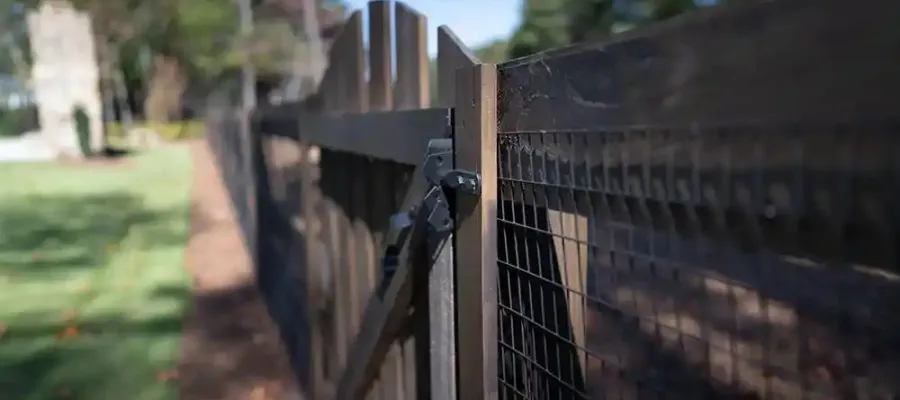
[(92, 284)]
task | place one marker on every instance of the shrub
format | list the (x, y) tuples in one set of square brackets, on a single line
[(15, 121), (83, 129), (170, 131)]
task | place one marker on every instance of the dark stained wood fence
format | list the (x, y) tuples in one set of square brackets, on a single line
[(698, 209)]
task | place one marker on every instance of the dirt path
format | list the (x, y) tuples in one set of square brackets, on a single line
[(231, 348)]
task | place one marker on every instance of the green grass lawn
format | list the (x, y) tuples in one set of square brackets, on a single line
[(92, 284)]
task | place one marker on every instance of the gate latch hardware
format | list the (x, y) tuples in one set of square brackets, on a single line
[(439, 172), (432, 214)]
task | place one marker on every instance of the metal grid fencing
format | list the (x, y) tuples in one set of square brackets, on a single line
[(677, 222), (228, 145), (754, 261)]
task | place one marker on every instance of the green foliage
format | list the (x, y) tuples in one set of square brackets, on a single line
[(591, 20), (544, 26), (14, 122), (15, 52), (665, 9), (494, 52), (83, 130), (203, 34), (548, 24)]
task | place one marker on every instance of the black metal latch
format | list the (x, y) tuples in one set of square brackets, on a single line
[(433, 213)]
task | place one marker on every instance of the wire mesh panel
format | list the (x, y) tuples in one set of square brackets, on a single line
[(228, 143), (754, 262), (679, 222)]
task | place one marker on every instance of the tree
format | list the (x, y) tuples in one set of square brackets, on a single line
[(544, 26), (158, 47), (494, 52), (548, 24), (15, 57)]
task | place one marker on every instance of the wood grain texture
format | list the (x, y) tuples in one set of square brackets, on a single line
[(380, 50), (398, 136), (452, 55), (570, 243), (411, 88), (476, 232), (383, 318), (411, 92)]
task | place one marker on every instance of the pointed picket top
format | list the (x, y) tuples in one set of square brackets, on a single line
[(452, 55)]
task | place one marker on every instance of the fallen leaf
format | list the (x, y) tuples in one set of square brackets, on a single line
[(36, 256), (2, 329), (69, 333), (168, 375)]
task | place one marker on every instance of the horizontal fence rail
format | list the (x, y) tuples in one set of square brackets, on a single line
[(702, 208)]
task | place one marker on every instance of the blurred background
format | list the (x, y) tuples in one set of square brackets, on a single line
[(160, 60)]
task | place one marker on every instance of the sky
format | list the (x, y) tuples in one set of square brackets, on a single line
[(475, 22)]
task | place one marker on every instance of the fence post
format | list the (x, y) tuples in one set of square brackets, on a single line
[(315, 249), (254, 165), (327, 345), (441, 286), (475, 144), (380, 99), (411, 92), (452, 55), (380, 55), (362, 270)]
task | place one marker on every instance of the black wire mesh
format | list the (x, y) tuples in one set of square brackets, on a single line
[(743, 261)]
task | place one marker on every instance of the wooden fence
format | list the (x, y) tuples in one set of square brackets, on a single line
[(699, 209)]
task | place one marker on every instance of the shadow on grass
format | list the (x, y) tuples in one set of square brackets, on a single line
[(46, 242), (116, 152), (110, 357), (114, 355), (56, 234)]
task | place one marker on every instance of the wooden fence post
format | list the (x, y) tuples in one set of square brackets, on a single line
[(380, 99), (452, 55), (380, 55), (475, 144), (357, 102), (411, 92)]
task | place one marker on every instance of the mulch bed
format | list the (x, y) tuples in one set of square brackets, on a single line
[(231, 349)]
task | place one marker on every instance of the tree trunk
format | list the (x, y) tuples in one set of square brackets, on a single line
[(164, 97), (121, 96)]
